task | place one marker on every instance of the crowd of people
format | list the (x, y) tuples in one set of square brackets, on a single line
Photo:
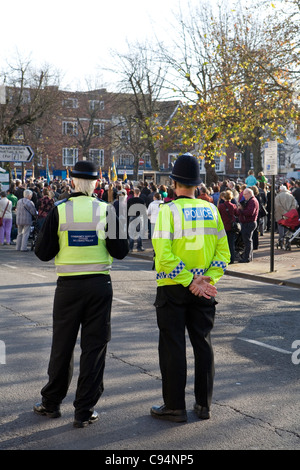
[(245, 204)]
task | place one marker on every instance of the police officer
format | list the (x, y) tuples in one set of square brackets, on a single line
[(191, 255), (82, 235)]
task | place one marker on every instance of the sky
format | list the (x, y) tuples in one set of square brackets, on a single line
[(77, 36)]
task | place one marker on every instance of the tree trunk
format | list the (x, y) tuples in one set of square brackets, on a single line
[(211, 175)]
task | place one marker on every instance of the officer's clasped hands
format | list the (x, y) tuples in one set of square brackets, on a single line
[(202, 288)]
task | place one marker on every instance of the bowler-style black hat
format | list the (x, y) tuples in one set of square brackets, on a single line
[(186, 170), (85, 170)]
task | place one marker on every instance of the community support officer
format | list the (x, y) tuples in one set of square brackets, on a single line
[(191, 255), (77, 232)]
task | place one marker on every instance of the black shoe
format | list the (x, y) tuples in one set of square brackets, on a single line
[(40, 409), (84, 424), (141, 249), (162, 412), (202, 411)]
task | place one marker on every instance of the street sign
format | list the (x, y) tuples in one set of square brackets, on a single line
[(271, 166), (16, 153)]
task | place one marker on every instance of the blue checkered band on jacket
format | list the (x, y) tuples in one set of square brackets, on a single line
[(219, 264), (173, 273), (197, 271)]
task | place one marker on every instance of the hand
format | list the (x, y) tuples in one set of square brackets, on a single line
[(201, 287)]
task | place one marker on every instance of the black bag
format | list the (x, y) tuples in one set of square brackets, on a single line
[(262, 211), (236, 227)]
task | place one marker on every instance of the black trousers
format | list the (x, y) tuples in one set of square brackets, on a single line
[(84, 303), (177, 310)]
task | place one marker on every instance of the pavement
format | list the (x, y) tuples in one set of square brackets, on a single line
[(281, 267)]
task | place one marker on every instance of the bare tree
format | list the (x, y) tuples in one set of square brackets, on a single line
[(30, 96), (141, 79)]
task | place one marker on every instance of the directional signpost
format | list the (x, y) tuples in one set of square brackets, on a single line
[(16, 153), (271, 169)]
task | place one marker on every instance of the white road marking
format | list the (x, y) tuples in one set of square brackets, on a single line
[(258, 343), (9, 266), (36, 274), (123, 301)]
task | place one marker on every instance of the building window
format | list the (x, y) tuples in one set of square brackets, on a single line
[(98, 129), (70, 128), (217, 163), (97, 156), (70, 156), (96, 105), (25, 98), (125, 135), (237, 160), (70, 103), (125, 160)]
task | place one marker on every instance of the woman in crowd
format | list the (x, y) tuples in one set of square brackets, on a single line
[(229, 213), (6, 213)]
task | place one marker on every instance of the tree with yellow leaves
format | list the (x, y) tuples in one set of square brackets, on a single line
[(238, 82)]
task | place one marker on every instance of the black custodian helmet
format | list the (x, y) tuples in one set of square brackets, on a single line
[(186, 170), (85, 170)]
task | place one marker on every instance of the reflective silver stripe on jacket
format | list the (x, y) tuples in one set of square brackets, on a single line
[(95, 224), (78, 268), (188, 232)]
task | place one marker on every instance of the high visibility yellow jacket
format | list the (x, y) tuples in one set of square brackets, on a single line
[(188, 239), (81, 233)]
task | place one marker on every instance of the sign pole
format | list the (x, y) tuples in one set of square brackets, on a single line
[(271, 169), (272, 224)]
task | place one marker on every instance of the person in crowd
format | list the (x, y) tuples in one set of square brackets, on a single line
[(229, 214), (296, 194), (163, 191), (10, 195), (6, 214), (65, 193), (235, 194), (191, 255), (151, 195), (261, 178), (216, 194), (153, 211), (204, 194), (26, 211), (137, 225), (259, 220), (145, 191), (250, 180), (241, 194), (284, 202), (20, 188), (45, 205), (248, 213), (171, 194), (98, 189), (75, 234), (121, 201)]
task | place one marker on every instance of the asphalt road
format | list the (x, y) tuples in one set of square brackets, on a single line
[(256, 396)]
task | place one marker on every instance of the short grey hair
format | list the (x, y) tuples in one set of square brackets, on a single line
[(84, 186), (27, 193)]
